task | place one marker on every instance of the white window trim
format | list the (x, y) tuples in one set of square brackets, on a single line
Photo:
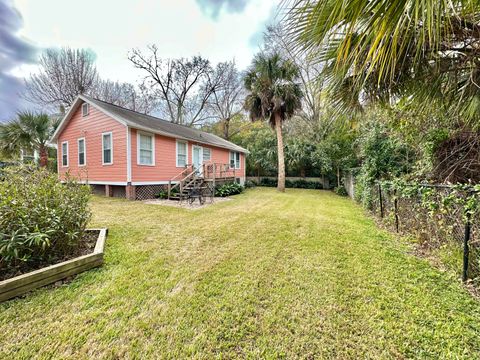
[(239, 160), (235, 160), (152, 136), (176, 153), (88, 109), (111, 148), (129, 155), (68, 160), (84, 151)]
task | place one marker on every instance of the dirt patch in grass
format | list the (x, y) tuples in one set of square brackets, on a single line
[(185, 204), (85, 246)]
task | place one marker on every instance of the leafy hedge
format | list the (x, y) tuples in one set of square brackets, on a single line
[(340, 190), (228, 189), (299, 184), (40, 218)]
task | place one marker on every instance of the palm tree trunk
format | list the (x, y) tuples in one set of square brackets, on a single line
[(281, 157), (43, 156)]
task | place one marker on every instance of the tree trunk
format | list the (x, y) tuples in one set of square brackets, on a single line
[(226, 129), (281, 157), (338, 176), (302, 172), (43, 156)]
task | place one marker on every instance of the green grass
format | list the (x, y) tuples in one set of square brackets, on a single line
[(266, 275)]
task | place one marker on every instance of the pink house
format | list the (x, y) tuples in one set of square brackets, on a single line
[(123, 153)]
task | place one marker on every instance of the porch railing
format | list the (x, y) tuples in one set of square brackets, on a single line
[(208, 172)]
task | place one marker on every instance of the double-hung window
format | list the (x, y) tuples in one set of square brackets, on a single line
[(107, 148), (85, 109), (81, 152), (146, 149), (181, 153), (234, 160), (65, 153), (207, 154)]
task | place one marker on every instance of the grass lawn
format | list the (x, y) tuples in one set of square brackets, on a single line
[(266, 275)]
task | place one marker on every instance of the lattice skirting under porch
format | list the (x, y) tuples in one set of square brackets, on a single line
[(146, 192)]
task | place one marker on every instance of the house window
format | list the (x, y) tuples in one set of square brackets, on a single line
[(145, 149), (85, 109), (181, 154), (107, 149), (234, 160), (207, 154), (81, 152), (65, 153)]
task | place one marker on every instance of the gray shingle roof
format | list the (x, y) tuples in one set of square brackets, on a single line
[(156, 125)]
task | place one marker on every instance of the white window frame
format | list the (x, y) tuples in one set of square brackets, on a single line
[(84, 151), (68, 160), (203, 154), (186, 153), (111, 148), (85, 106), (237, 165), (152, 136)]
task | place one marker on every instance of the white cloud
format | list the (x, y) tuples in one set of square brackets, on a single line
[(112, 28)]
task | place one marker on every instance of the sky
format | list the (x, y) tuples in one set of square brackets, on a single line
[(216, 29)]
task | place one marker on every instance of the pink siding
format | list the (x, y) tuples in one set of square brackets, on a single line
[(91, 128), (165, 159)]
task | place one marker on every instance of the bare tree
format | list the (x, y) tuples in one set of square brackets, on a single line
[(226, 101), (125, 95), (182, 86), (64, 73), (313, 112)]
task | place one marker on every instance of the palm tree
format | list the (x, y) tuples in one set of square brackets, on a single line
[(28, 131), (381, 50), (274, 96)]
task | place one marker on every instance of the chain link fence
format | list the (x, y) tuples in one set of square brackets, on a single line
[(441, 226)]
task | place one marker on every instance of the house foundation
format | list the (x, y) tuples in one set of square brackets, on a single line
[(130, 192)]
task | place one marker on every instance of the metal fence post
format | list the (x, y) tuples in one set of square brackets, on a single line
[(466, 249), (395, 207), (380, 199)]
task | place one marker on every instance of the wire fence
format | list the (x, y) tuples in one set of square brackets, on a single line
[(442, 226)]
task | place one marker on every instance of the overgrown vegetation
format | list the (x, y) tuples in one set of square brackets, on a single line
[(437, 216), (41, 219)]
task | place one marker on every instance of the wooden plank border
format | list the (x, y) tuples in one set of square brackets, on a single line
[(24, 283)]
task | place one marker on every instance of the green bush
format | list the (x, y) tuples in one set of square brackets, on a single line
[(340, 190), (298, 184), (228, 189), (162, 194), (41, 219), (250, 184), (268, 182)]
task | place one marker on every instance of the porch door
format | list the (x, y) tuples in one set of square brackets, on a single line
[(197, 158)]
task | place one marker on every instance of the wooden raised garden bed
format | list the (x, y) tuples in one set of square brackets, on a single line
[(24, 283)]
